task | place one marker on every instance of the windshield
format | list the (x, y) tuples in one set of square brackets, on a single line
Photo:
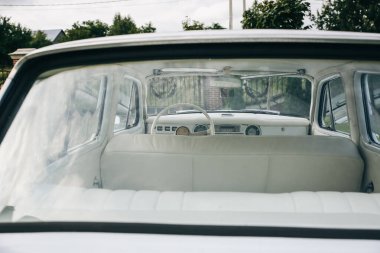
[(286, 95)]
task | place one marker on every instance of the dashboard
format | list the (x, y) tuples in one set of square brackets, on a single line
[(230, 124)]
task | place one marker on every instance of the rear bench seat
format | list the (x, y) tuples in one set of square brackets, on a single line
[(297, 209), (268, 164), (217, 180)]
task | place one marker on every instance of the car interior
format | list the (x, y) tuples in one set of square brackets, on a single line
[(126, 142)]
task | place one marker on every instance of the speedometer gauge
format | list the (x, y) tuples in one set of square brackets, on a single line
[(253, 130), (182, 131)]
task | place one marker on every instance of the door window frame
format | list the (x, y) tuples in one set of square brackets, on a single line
[(361, 101), (320, 105)]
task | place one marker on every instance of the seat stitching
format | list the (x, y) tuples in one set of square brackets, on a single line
[(294, 202), (131, 200), (182, 200), (320, 201), (375, 200), (105, 199), (192, 173), (348, 201), (157, 200), (269, 159), (346, 157)]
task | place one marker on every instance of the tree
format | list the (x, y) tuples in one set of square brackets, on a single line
[(353, 15), (87, 29), (126, 25), (276, 14), (215, 26), (123, 25), (39, 40), (12, 37), (190, 25), (147, 28)]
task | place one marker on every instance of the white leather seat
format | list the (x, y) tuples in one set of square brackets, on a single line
[(298, 202), (322, 209), (231, 163)]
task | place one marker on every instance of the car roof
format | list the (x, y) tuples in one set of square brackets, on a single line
[(207, 37), (217, 36)]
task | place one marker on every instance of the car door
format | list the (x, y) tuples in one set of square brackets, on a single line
[(347, 104), (367, 93)]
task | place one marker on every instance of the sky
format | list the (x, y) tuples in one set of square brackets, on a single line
[(165, 15)]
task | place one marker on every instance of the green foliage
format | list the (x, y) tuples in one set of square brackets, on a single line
[(235, 99), (147, 28), (87, 29), (215, 26), (126, 25), (39, 40), (353, 15), (289, 95), (276, 14), (297, 96), (3, 75), (120, 25), (191, 25), (123, 25), (12, 37)]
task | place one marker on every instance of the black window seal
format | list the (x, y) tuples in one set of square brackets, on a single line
[(203, 230)]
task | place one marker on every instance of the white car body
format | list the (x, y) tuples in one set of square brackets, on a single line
[(86, 144)]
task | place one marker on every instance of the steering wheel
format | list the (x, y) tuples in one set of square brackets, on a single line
[(166, 109)]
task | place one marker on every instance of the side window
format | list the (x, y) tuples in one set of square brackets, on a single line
[(62, 112), (85, 110), (61, 115), (128, 111), (333, 111), (371, 88)]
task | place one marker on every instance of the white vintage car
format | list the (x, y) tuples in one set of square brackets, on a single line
[(260, 134)]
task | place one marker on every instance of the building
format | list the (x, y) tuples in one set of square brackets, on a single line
[(19, 53), (55, 35)]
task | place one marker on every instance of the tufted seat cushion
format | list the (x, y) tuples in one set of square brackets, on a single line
[(58, 197), (333, 209)]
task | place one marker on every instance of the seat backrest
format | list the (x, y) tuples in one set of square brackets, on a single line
[(231, 163)]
